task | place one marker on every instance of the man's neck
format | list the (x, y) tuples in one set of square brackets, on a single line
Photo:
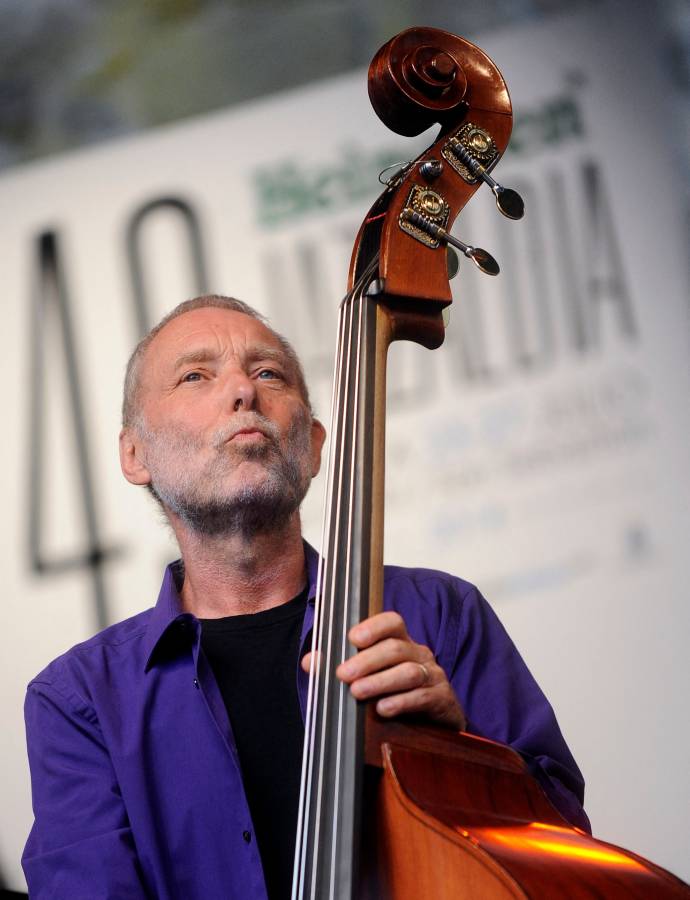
[(233, 575)]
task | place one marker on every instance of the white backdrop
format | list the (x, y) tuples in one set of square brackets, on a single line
[(541, 452)]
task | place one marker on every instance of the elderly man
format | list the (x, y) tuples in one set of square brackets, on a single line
[(165, 752)]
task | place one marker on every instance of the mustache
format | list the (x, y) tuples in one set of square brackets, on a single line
[(244, 421)]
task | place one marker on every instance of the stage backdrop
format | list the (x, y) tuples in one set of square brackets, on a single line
[(542, 452)]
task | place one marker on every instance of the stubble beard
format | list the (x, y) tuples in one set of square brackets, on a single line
[(203, 499)]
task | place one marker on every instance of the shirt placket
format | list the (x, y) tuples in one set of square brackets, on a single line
[(207, 686)]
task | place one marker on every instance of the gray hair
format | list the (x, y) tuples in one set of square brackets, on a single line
[(132, 387)]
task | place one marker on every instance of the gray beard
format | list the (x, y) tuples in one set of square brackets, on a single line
[(257, 508)]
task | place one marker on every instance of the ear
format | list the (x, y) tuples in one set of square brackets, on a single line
[(318, 436), (131, 461)]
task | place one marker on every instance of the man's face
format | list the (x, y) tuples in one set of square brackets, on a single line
[(225, 440)]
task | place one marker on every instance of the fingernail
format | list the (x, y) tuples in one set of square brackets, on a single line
[(384, 706)]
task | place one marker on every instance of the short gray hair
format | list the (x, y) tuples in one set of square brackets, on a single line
[(132, 386)]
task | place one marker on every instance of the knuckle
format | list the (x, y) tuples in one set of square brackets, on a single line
[(438, 678), (367, 687), (412, 671), (393, 651), (396, 622), (441, 705), (402, 648), (358, 689), (421, 700), (426, 656), (388, 707)]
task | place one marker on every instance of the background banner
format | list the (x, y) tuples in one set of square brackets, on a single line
[(541, 452)]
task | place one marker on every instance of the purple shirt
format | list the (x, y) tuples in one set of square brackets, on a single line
[(137, 789)]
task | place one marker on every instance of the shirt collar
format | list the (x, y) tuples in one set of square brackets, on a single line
[(168, 613), (312, 560)]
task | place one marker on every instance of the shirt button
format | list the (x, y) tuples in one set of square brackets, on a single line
[(196, 684), (247, 835)]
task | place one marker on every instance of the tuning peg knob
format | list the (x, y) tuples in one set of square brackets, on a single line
[(508, 201), (483, 260)]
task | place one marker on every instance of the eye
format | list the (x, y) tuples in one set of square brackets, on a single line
[(268, 374), (191, 376)]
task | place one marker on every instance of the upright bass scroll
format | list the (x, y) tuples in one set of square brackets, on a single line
[(421, 77)]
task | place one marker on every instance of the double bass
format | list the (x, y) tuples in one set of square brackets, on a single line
[(392, 809)]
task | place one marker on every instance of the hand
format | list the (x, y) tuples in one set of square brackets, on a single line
[(405, 675)]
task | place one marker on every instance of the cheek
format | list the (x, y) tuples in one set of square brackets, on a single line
[(194, 412), (286, 415), (315, 458)]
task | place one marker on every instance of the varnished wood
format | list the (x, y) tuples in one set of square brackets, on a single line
[(427, 738), (384, 336), (481, 827), (392, 323), (409, 269), (486, 832), (421, 272), (409, 105)]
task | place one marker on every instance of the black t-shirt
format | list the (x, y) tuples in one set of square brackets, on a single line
[(254, 659)]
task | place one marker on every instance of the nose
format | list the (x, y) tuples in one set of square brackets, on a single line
[(243, 393)]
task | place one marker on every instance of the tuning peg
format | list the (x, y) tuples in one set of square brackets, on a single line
[(508, 201), (481, 258)]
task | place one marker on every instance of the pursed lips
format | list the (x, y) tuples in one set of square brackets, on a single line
[(249, 431), (245, 434)]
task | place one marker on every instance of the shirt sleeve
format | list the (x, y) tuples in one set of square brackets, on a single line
[(81, 845), (503, 702)]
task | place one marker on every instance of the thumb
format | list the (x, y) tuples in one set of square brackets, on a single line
[(310, 659)]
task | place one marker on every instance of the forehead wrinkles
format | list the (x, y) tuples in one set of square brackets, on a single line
[(203, 339), (237, 337)]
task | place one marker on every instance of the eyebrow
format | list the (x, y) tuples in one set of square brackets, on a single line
[(194, 356), (277, 356), (255, 353), (269, 353)]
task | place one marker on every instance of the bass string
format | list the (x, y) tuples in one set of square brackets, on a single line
[(325, 588), (330, 561), (309, 730), (331, 564), (343, 688), (327, 562)]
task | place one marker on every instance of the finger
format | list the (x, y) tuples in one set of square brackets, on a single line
[(309, 659), (438, 703), (406, 676), (383, 655), (377, 628)]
